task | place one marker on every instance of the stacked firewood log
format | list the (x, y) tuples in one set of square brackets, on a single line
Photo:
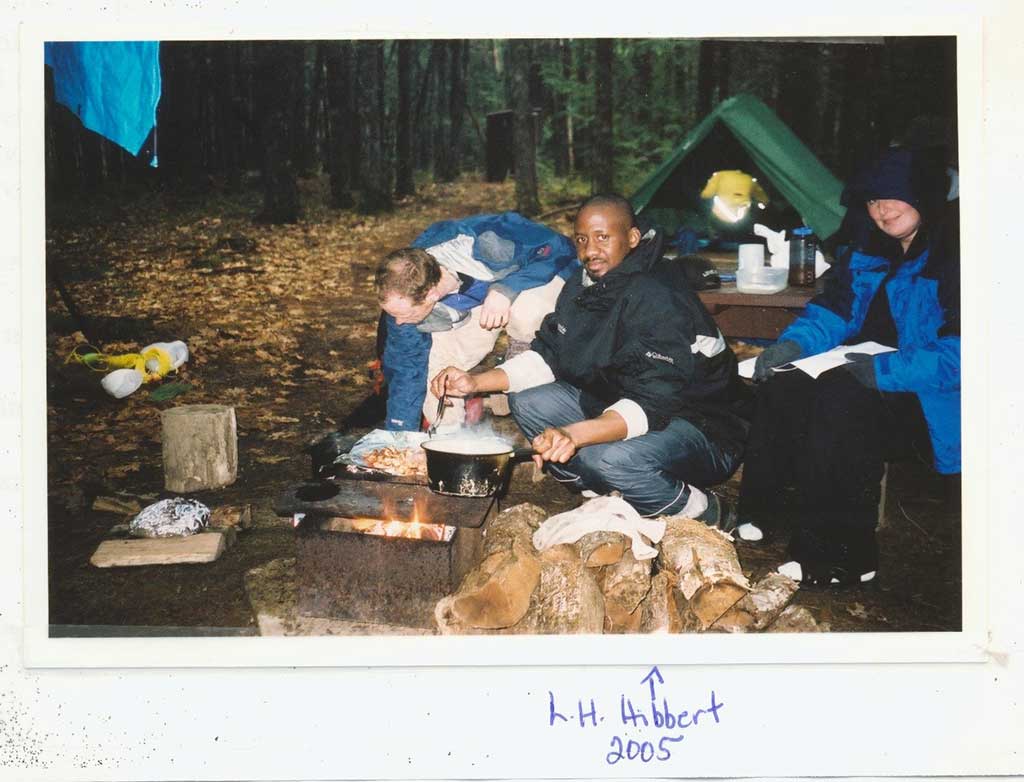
[(596, 585)]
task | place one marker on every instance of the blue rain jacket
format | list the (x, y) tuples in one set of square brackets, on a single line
[(927, 362), (536, 255)]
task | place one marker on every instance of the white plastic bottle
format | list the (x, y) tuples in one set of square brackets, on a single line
[(122, 382)]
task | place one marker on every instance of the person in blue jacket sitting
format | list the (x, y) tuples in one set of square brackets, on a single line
[(448, 296), (897, 284)]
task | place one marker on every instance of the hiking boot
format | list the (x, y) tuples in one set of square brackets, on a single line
[(720, 513), (835, 558)]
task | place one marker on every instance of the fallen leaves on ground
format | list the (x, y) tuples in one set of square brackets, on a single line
[(286, 347), (857, 610)]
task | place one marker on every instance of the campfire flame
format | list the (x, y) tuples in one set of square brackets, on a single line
[(393, 528)]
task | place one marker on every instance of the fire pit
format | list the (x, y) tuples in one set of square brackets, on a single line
[(376, 549)]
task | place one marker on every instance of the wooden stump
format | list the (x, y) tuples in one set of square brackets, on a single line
[(200, 447)]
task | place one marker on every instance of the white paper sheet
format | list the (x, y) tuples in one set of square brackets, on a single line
[(819, 362)]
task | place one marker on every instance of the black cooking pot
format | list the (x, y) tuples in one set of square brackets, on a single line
[(470, 467)]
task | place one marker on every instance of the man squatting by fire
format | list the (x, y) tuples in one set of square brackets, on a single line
[(629, 385), (447, 297)]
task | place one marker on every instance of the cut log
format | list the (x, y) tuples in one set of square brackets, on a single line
[(190, 549), (230, 535), (601, 548), (704, 559), (796, 619), (497, 593), (517, 523), (567, 599), (625, 585), (114, 505), (760, 607), (505, 550), (709, 603), (239, 516), (200, 447), (659, 612)]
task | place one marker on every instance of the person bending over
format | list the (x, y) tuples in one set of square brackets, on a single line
[(446, 299), (628, 386), (829, 438)]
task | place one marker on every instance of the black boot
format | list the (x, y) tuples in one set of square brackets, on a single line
[(835, 557)]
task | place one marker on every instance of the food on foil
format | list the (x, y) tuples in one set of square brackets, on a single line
[(396, 453), (397, 461)]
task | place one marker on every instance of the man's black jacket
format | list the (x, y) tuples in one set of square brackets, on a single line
[(640, 333)]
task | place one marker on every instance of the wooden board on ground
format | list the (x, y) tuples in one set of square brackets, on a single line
[(133, 552)]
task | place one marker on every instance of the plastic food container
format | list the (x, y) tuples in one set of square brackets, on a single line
[(764, 279)]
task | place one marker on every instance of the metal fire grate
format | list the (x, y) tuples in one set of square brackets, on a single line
[(346, 574)]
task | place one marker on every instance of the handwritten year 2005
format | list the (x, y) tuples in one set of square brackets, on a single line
[(657, 724)]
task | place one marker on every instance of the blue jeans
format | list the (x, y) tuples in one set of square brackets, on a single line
[(653, 472)]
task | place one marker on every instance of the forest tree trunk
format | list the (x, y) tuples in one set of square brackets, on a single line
[(180, 151), (643, 64), (458, 56), (305, 112), (799, 95), (439, 116), (707, 65), (277, 72), (527, 201), (230, 132), (341, 123), (375, 179), (603, 167), (405, 183), (561, 135)]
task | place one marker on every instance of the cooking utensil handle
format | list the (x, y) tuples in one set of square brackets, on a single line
[(521, 454), (437, 415)]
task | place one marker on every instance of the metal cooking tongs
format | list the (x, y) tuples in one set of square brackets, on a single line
[(432, 429)]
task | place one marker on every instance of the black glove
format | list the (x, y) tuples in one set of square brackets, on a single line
[(775, 356), (862, 368)]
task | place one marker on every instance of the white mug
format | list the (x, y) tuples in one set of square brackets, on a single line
[(751, 256)]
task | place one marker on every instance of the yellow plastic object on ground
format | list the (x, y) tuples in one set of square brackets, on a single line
[(128, 371)]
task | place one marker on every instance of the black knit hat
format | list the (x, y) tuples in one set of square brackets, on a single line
[(917, 178), (891, 176)]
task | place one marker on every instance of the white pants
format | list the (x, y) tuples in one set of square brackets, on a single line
[(468, 345)]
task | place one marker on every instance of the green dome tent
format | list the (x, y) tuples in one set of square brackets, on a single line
[(791, 169)]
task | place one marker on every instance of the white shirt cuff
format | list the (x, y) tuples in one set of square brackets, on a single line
[(527, 370), (633, 415)]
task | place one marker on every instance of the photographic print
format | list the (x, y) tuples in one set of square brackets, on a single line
[(502, 336)]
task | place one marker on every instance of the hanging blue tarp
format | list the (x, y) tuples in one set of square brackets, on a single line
[(113, 87)]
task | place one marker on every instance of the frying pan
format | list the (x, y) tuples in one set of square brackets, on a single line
[(470, 466)]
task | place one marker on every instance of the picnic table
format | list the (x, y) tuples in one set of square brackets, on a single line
[(752, 315)]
